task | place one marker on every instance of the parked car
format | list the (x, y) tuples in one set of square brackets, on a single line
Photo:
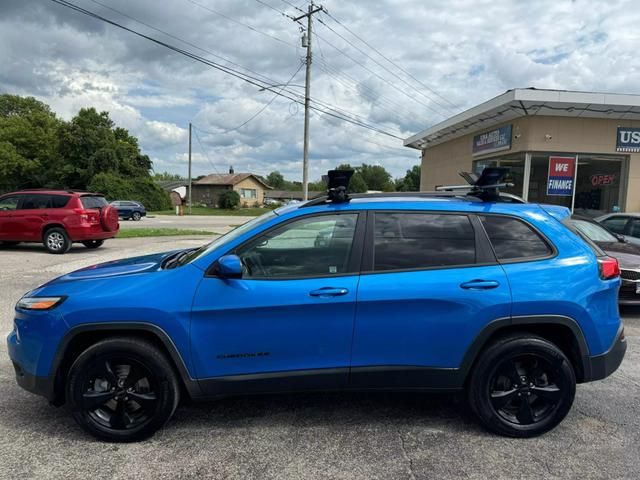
[(429, 292), (615, 245), (129, 210), (57, 218), (627, 224)]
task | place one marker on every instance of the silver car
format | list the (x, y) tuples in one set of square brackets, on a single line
[(625, 224)]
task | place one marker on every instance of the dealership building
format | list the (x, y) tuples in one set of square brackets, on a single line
[(577, 149)]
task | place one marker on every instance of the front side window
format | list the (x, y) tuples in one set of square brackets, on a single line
[(9, 203), (312, 246), (405, 241), (513, 239), (616, 224)]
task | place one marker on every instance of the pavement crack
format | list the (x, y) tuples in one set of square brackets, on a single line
[(406, 456)]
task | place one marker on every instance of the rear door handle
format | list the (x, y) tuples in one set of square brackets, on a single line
[(480, 285), (329, 292)]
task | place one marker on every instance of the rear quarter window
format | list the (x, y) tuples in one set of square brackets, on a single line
[(91, 201), (513, 239), (58, 201)]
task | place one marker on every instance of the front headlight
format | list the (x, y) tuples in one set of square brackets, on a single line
[(39, 303)]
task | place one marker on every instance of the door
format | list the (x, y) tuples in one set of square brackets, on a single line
[(8, 225), (288, 323), (31, 215), (432, 284)]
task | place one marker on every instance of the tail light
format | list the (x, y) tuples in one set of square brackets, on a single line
[(88, 216), (608, 268)]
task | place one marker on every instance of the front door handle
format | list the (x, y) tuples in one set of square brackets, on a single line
[(329, 292), (480, 285)]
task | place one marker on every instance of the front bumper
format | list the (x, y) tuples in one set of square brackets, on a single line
[(601, 366), (43, 386), (627, 294)]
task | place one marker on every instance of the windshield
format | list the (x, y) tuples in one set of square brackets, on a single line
[(593, 232), (229, 236)]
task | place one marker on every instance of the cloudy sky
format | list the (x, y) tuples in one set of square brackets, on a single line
[(452, 55)]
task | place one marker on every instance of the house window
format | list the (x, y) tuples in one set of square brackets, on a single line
[(248, 193)]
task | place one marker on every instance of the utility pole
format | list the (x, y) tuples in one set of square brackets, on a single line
[(306, 42), (189, 193)]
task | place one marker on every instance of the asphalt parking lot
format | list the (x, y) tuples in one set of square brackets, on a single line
[(364, 436)]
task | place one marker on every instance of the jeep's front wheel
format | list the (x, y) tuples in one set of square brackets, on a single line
[(522, 386), (122, 389)]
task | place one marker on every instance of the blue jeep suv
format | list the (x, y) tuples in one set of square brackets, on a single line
[(428, 292)]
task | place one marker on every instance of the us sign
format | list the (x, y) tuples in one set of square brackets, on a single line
[(561, 176), (628, 139), (492, 141)]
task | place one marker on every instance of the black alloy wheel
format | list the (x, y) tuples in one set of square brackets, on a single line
[(122, 389), (136, 216), (522, 386)]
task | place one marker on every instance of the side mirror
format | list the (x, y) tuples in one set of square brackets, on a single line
[(620, 238), (229, 266)]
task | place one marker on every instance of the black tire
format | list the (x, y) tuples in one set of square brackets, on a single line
[(93, 243), (136, 216), (521, 386), (56, 240), (131, 386)]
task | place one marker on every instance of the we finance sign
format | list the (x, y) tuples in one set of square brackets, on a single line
[(561, 176)]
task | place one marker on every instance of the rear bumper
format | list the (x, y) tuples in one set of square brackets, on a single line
[(601, 366), (90, 232), (627, 294)]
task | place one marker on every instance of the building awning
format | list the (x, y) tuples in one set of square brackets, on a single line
[(521, 102)]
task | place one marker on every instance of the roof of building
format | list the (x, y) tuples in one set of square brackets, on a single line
[(225, 179), (291, 194), (521, 102), (170, 185)]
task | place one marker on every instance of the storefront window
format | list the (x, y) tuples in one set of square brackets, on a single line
[(515, 162), (597, 188)]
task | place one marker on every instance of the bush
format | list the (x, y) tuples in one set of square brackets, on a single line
[(229, 199), (139, 189)]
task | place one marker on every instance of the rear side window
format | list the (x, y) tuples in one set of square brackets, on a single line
[(513, 239), (35, 202), (93, 202), (421, 240), (616, 224)]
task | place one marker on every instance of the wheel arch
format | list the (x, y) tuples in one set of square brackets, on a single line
[(81, 337), (48, 226), (562, 331)]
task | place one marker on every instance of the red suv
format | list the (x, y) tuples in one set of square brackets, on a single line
[(57, 218)]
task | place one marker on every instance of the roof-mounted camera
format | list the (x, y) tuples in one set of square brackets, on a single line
[(486, 186), (337, 183)]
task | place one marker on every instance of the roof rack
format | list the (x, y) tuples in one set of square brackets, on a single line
[(483, 188)]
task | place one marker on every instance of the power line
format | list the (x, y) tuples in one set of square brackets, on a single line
[(275, 9), (390, 61), (387, 69), (231, 19), (228, 70), (204, 152)]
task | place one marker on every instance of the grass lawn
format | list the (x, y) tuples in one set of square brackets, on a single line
[(249, 212), (159, 232)]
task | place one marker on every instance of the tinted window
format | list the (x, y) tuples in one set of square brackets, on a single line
[(615, 224), (58, 201), (318, 245), (512, 238), (34, 202), (634, 231), (421, 240), (593, 231), (9, 203), (93, 202)]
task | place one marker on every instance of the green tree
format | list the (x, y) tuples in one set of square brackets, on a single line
[(28, 143), (410, 182), (376, 177), (166, 176), (229, 199), (275, 180)]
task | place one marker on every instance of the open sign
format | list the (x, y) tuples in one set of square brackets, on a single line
[(601, 179)]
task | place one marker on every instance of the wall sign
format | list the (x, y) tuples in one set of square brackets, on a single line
[(600, 179), (628, 139), (492, 141), (561, 176)]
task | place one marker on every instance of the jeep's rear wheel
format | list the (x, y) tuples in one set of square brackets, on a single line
[(122, 389), (56, 240), (522, 386)]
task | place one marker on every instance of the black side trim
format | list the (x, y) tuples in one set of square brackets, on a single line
[(605, 364), (191, 385), (277, 382), (400, 377)]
